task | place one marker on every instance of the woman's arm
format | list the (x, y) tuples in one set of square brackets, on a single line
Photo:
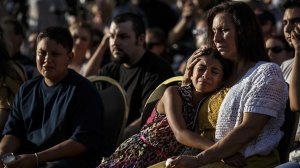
[(232, 143), (94, 62), (239, 137), (172, 103)]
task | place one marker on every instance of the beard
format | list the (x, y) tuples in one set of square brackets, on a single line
[(121, 58)]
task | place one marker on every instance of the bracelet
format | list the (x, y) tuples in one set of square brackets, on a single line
[(37, 159)]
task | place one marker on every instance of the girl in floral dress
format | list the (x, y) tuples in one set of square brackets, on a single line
[(172, 128)]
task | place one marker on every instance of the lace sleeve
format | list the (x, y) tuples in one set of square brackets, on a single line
[(268, 93)]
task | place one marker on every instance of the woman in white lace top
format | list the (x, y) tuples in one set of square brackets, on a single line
[(252, 112)]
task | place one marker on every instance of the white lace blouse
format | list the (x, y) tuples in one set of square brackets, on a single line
[(261, 90)]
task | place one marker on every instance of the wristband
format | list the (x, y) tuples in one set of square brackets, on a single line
[(37, 159)]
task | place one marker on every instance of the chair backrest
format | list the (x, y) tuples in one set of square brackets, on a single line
[(157, 94), (116, 109), (289, 128)]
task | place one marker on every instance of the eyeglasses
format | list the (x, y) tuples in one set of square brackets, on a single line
[(276, 49), (199, 31)]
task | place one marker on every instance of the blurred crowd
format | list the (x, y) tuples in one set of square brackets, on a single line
[(175, 28), (75, 39)]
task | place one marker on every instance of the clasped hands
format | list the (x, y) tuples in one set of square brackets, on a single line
[(22, 161)]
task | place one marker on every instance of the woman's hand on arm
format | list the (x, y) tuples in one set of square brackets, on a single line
[(191, 62), (238, 138), (173, 109), (231, 144), (236, 160)]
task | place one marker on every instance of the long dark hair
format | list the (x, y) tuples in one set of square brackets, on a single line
[(250, 42)]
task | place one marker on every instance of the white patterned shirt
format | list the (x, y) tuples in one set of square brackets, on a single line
[(286, 68), (261, 90)]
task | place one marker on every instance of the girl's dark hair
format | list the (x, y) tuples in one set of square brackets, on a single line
[(249, 38), (226, 64)]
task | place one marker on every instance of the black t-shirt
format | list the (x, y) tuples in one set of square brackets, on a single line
[(140, 80), (44, 116)]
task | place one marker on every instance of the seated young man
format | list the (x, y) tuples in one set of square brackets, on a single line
[(56, 117)]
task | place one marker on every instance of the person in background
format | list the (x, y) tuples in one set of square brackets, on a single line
[(156, 43), (12, 76), (200, 37), (291, 69), (137, 70), (267, 21), (14, 35), (82, 35), (291, 14), (101, 11), (278, 49), (28, 47), (52, 123), (175, 115)]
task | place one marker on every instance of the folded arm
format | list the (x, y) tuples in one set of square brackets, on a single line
[(235, 140), (231, 144)]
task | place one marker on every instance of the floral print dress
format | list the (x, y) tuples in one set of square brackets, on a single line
[(155, 142)]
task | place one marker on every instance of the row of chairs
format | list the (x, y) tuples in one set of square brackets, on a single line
[(116, 109)]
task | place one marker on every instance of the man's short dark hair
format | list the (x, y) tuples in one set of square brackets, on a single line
[(137, 22), (290, 4), (59, 34)]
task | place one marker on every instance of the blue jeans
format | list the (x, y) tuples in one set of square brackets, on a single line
[(289, 165)]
